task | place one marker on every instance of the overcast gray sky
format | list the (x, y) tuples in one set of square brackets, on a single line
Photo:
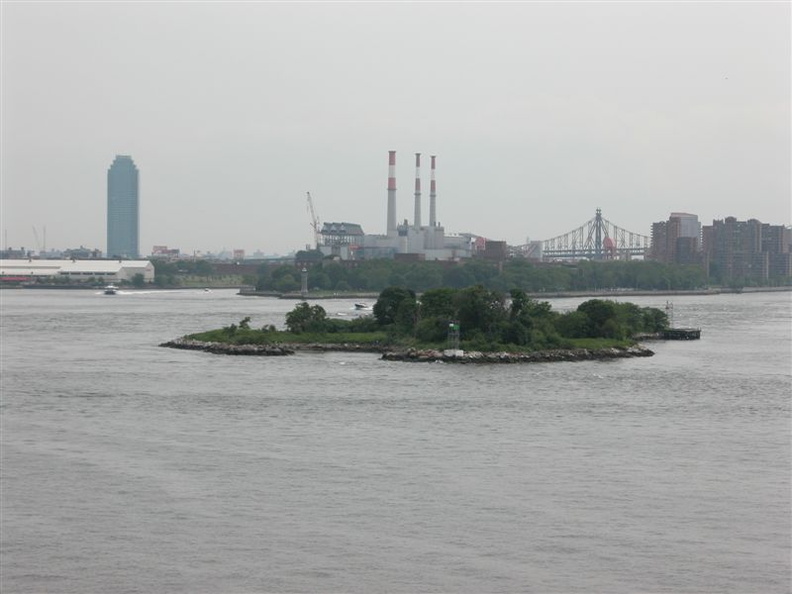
[(538, 113)]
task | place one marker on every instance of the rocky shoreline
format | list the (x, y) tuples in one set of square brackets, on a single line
[(431, 356), (221, 348), (413, 355)]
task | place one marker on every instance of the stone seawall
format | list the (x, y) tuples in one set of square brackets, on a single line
[(268, 350), (411, 355), (220, 348), (429, 356), (345, 347)]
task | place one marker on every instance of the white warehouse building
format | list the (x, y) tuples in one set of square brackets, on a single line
[(77, 270)]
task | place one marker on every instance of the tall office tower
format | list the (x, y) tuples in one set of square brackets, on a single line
[(677, 240), (689, 225), (123, 212)]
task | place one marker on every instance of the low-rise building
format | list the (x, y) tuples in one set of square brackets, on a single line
[(76, 270)]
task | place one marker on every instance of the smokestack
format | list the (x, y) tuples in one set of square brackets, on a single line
[(417, 217), (432, 197), (391, 229)]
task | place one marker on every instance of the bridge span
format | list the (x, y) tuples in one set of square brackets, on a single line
[(596, 239)]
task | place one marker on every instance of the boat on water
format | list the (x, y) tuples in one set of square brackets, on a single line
[(362, 306), (110, 290)]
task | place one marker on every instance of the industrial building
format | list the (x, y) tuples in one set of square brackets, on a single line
[(123, 209), (347, 241), (104, 271)]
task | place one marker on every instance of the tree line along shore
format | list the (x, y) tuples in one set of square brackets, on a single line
[(327, 276)]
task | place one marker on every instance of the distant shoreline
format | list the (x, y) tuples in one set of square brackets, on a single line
[(535, 295), (43, 287), (246, 292)]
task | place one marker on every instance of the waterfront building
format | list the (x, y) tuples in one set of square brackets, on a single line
[(747, 250), (677, 240), (777, 242), (123, 209), (89, 271)]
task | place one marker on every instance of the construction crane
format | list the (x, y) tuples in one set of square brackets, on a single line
[(314, 221), (38, 243)]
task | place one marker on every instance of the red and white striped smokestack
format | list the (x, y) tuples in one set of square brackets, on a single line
[(432, 197), (417, 217), (391, 224)]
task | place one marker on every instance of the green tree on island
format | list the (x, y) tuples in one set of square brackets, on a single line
[(489, 318), (306, 318), (488, 321)]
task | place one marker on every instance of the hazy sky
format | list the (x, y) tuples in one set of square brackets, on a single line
[(538, 113)]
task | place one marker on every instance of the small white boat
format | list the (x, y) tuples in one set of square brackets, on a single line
[(361, 306), (110, 290)]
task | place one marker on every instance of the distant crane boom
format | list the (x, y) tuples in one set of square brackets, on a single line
[(314, 220), (38, 243)]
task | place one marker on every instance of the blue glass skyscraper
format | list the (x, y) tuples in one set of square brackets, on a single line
[(123, 211)]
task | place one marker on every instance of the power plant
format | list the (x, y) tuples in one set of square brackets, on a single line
[(347, 241)]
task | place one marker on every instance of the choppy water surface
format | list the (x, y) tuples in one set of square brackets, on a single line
[(127, 467)]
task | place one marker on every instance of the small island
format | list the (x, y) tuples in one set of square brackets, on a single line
[(472, 325)]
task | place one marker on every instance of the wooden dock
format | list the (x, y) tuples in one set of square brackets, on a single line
[(682, 333)]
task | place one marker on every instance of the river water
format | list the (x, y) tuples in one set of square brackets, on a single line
[(127, 467)]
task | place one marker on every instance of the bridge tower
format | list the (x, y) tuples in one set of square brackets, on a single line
[(596, 239)]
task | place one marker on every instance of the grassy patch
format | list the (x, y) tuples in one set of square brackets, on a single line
[(250, 336), (253, 336)]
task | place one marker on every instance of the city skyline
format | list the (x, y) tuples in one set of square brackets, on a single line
[(145, 251), (538, 113), (169, 251)]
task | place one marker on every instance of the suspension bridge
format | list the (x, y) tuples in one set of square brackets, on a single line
[(596, 239)]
